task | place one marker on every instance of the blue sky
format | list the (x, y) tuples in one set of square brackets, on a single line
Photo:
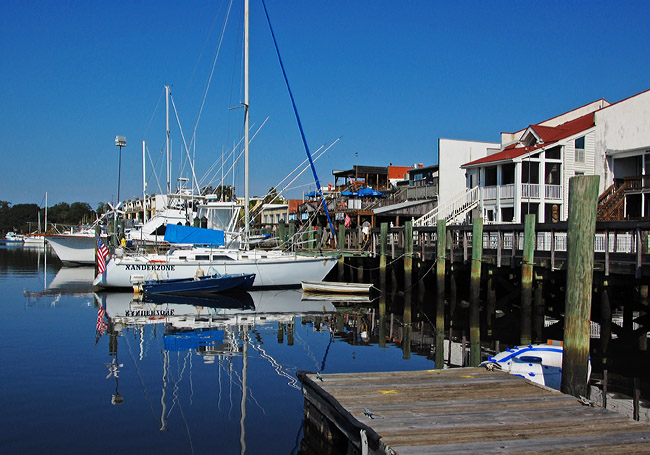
[(389, 78)]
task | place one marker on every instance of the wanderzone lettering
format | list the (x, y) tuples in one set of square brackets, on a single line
[(148, 313), (151, 267)]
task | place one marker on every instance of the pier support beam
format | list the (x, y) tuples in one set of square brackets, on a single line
[(491, 307), (527, 280), (474, 293), (583, 196), (383, 239), (538, 309), (408, 261), (440, 293)]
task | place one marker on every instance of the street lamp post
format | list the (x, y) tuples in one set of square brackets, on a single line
[(120, 141)]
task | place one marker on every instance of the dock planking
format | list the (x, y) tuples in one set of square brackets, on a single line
[(463, 410)]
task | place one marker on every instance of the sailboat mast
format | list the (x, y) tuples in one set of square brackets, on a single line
[(144, 184), (169, 183), (246, 121)]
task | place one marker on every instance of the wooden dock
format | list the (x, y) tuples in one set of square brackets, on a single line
[(459, 411)]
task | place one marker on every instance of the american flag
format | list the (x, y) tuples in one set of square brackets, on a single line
[(101, 323), (102, 256)]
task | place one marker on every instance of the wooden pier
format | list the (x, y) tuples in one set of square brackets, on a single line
[(457, 411)]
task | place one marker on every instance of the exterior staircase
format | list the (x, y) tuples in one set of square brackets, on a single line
[(611, 204), (453, 210)]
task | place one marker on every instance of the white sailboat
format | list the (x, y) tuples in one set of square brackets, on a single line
[(272, 268)]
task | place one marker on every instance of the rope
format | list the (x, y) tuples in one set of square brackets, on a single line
[(295, 111)]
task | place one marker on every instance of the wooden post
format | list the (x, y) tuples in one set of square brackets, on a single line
[(383, 238), (282, 234), (440, 293), (382, 320), (408, 260), (340, 268), (474, 293), (319, 237), (491, 306), (292, 232), (583, 195), (538, 309), (605, 334), (360, 271), (527, 280), (280, 333), (310, 237), (341, 244)]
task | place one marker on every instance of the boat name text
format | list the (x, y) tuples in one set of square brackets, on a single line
[(148, 313), (151, 267)]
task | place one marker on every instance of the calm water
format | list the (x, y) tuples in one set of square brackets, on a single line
[(187, 376)]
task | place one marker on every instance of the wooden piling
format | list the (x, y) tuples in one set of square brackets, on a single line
[(383, 238), (491, 306), (282, 234), (408, 260), (538, 309), (527, 280), (605, 334), (341, 242), (292, 233), (583, 195), (474, 293), (310, 237), (440, 293)]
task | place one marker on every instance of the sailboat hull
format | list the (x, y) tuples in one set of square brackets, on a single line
[(73, 249), (279, 270)]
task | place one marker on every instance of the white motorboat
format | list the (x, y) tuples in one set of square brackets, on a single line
[(539, 363), (12, 239)]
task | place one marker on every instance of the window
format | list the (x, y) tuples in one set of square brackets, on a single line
[(554, 153), (580, 150)]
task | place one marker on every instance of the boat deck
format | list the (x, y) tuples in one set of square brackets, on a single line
[(460, 411)]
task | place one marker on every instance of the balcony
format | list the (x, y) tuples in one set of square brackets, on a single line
[(528, 190), (637, 183)]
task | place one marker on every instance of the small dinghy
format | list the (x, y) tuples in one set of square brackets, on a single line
[(333, 287), (200, 284), (540, 363)]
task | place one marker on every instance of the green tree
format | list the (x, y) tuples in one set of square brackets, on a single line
[(271, 197)]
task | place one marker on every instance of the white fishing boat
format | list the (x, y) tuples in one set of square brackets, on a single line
[(333, 287), (271, 268)]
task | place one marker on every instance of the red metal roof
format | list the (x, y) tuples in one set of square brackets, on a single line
[(548, 135)]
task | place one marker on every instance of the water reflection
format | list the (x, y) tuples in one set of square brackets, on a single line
[(217, 328)]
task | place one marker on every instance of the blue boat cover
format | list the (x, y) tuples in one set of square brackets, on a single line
[(188, 234)]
